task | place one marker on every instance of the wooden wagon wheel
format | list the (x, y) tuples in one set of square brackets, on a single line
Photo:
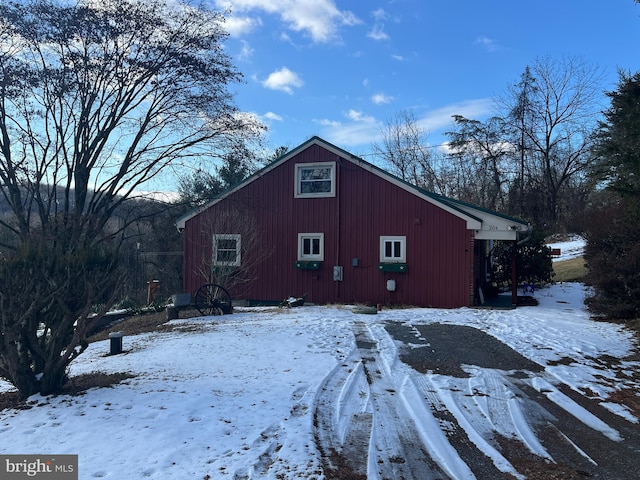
[(212, 299)]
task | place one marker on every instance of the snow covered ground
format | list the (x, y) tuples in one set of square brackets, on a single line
[(258, 393), (570, 248)]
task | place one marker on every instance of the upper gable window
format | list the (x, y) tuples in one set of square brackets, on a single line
[(315, 180)]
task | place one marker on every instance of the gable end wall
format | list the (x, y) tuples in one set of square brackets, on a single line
[(365, 207)]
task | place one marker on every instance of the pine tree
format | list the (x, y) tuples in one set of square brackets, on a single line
[(612, 224), (618, 139)]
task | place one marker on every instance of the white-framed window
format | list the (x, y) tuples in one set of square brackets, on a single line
[(315, 180), (226, 250), (393, 249), (311, 246)]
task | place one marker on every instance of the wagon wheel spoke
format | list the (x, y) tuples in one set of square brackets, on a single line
[(212, 299)]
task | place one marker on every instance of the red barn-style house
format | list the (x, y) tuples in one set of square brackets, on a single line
[(323, 224)]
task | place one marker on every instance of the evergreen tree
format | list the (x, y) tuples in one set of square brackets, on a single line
[(521, 114), (277, 153), (533, 261), (612, 224), (201, 186), (236, 166), (198, 188), (618, 139)]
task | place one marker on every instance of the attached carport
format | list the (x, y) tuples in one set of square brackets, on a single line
[(494, 227)]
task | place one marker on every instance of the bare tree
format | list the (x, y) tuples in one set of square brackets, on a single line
[(96, 98), (229, 246), (530, 158), (405, 150), (554, 120), (483, 154)]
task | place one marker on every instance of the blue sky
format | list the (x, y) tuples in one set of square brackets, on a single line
[(340, 69)]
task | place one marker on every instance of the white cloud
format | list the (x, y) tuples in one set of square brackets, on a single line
[(400, 58), (353, 134), (378, 33), (443, 117), (357, 129), (252, 121), (239, 26), (358, 116), (320, 19), (379, 15), (325, 122), (283, 80), (284, 36), (246, 52), (273, 116), (381, 98), (489, 43)]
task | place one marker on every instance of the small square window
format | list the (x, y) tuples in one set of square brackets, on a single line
[(311, 246), (393, 249), (226, 250), (315, 180)]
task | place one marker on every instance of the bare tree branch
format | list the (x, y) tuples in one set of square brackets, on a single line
[(96, 98)]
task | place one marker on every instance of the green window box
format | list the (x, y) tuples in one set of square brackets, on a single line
[(308, 265), (392, 267)]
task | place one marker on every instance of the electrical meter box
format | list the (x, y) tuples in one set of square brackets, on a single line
[(337, 273)]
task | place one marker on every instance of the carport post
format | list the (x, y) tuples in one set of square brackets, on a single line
[(514, 274)]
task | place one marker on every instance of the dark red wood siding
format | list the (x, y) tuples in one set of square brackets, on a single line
[(366, 206)]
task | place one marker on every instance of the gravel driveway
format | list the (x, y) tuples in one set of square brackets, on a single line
[(578, 451), (511, 421)]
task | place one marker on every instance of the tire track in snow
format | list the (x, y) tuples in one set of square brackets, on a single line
[(468, 420), (504, 411), (579, 412), (360, 416), (387, 420), (338, 403), (396, 449), (421, 400), (506, 402)]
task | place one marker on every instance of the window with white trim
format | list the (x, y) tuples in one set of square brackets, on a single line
[(393, 249), (315, 180), (226, 250), (311, 246)]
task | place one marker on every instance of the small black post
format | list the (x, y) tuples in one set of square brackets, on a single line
[(116, 342)]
